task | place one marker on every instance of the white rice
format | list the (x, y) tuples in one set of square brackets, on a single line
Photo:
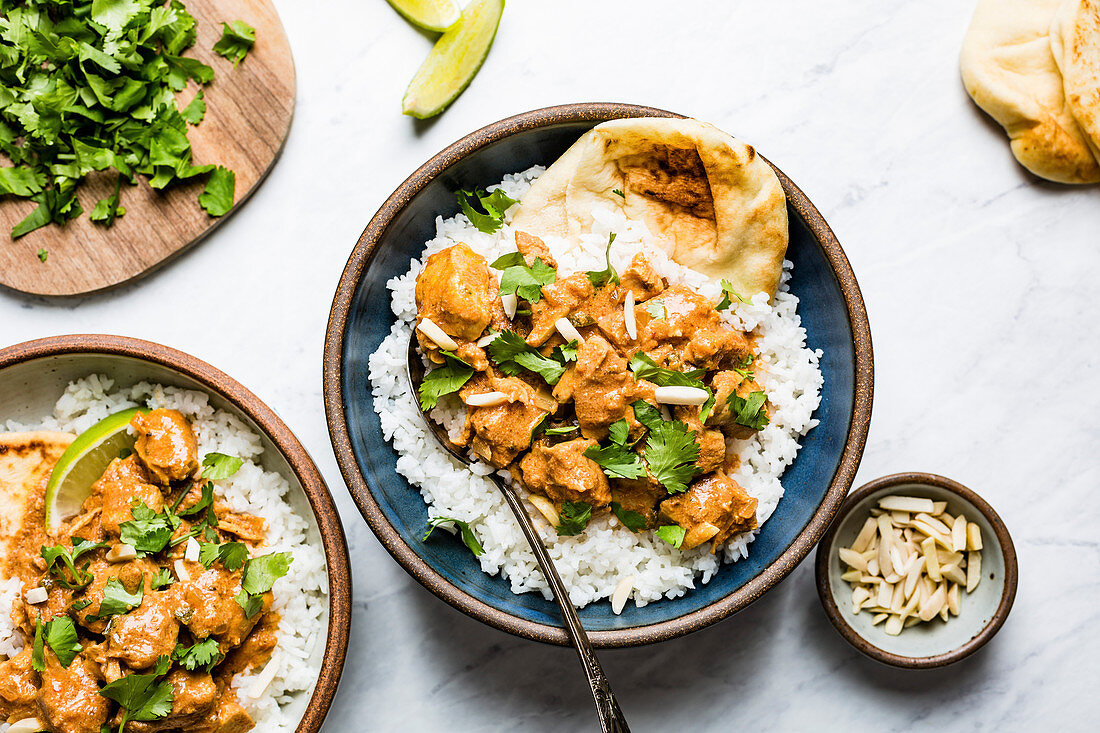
[(592, 563), (300, 596)]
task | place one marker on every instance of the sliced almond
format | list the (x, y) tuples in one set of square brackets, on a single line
[(938, 507), (885, 594), (934, 523), (932, 606), (568, 331), (621, 594), (859, 596), (958, 534), (546, 508), (897, 600), (973, 571), (872, 566), (435, 334), (486, 340), (894, 625), (680, 395), (851, 576), (699, 534), (121, 553), (973, 536), (901, 518), (878, 618), (191, 550), (487, 399), (509, 302), (852, 559), (906, 504), (628, 316), (37, 595), (26, 725), (931, 561), (953, 598), (953, 573), (886, 533), (181, 571), (913, 576), (863, 539)]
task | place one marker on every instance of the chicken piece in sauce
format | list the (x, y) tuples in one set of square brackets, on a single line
[(558, 300), (532, 248), (166, 445), (714, 508), (727, 383), (458, 293), (124, 484), (641, 278), (603, 389), (499, 433), (562, 473), (209, 609), (69, 699), (141, 637), (194, 700)]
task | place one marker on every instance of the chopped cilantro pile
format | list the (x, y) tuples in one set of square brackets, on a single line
[(574, 516), (520, 279), (493, 206), (89, 85)]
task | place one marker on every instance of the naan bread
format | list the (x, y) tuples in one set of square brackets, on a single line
[(1009, 70), (26, 460), (1075, 43), (711, 201)]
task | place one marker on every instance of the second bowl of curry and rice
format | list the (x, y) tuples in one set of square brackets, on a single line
[(167, 549), (619, 334)]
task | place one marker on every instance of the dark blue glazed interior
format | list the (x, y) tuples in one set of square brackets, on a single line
[(806, 482)]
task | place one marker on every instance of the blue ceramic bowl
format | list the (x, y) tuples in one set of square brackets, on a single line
[(832, 311)]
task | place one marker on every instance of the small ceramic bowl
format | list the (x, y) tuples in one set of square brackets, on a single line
[(832, 312), (934, 644), (34, 374)]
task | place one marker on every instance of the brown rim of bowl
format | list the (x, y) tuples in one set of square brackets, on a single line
[(1008, 595), (337, 419), (324, 509)]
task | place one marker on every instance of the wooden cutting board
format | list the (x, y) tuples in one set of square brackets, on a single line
[(248, 114)]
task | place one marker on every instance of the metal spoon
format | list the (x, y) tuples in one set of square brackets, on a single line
[(611, 717)]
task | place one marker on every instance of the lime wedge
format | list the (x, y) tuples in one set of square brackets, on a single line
[(431, 15), (454, 60), (83, 463)]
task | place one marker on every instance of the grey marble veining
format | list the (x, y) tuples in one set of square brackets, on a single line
[(981, 287)]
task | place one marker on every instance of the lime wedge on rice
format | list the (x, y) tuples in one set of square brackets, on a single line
[(454, 60), (431, 15), (83, 463)]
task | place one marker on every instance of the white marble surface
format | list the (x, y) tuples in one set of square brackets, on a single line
[(979, 280)]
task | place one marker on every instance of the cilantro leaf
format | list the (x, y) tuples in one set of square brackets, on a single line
[(494, 204), (19, 181), (616, 461), (671, 451), (566, 352), (205, 501), (443, 380), (142, 697), (575, 516), (219, 466), (43, 254), (250, 603), (647, 414), (62, 638), (468, 536), (262, 572), (108, 209), (38, 650), (205, 654), (749, 411), (217, 197), (644, 367), (618, 192), (148, 532), (117, 600), (655, 307), (236, 41), (632, 520), (232, 555), (195, 109), (511, 352), (78, 577), (162, 579), (673, 534), (599, 279), (518, 279), (727, 293)]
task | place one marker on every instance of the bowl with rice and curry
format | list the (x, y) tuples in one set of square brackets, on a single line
[(642, 327), (172, 560)]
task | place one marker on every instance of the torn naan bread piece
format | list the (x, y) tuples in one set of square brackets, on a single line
[(1075, 43), (26, 460), (1009, 70), (712, 203)]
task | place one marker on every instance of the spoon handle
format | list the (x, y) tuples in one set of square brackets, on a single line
[(611, 717)]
